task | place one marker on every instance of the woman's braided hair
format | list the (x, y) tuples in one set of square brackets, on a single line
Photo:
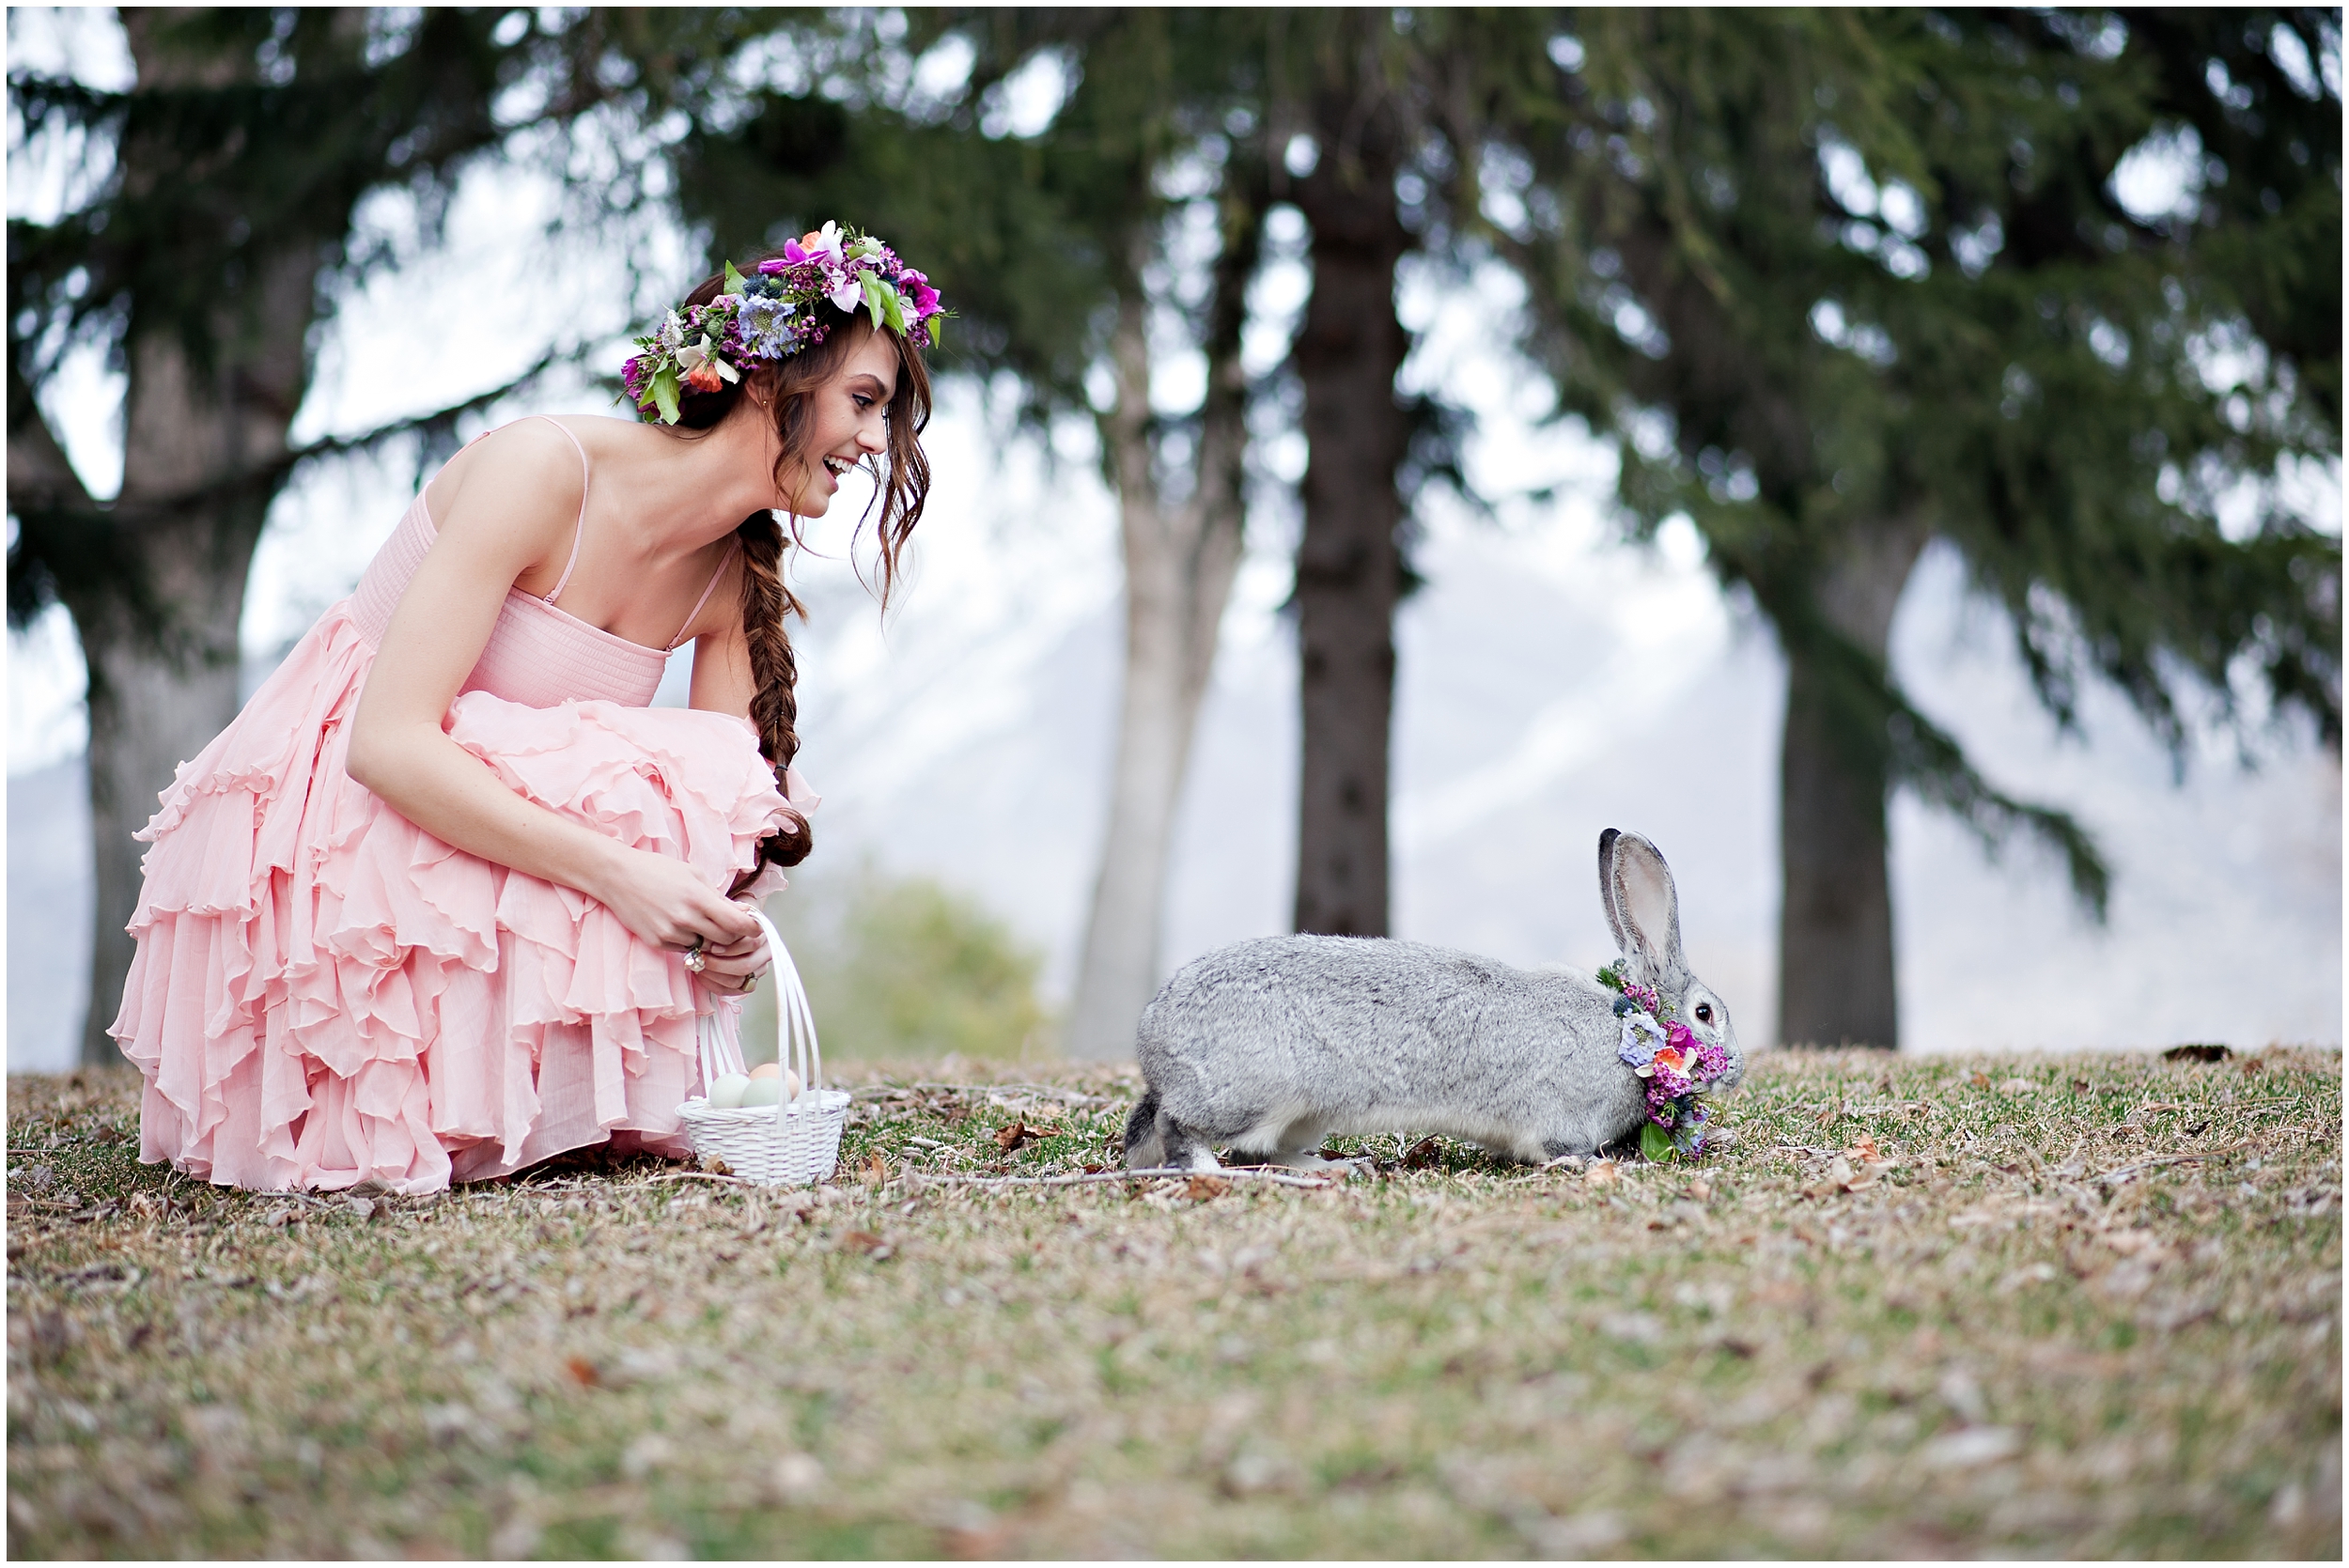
[(904, 474)]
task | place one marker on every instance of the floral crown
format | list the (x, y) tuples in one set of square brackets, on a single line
[(1678, 1067), (772, 315)]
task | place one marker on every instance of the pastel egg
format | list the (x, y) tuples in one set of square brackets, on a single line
[(768, 1070), (725, 1090), (762, 1090)]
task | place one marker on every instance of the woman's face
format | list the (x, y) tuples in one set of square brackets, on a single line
[(850, 424)]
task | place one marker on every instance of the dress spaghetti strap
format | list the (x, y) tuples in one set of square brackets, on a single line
[(579, 529), (732, 551)]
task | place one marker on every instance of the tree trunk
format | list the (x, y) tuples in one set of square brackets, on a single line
[(1350, 568), (199, 443), (1836, 978), (1179, 561)]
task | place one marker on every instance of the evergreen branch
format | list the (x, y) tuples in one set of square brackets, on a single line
[(68, 545), (368, 441)]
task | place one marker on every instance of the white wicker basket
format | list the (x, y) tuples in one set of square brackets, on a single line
[(797, 1141)]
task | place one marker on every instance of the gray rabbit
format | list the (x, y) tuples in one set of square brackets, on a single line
[(1268, 1047)]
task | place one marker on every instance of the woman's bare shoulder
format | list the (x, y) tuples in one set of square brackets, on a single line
[(523, 477)]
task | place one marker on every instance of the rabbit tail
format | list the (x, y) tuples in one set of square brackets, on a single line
[(1145, 1148)]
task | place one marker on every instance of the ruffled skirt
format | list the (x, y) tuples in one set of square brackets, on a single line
[(325, 994)]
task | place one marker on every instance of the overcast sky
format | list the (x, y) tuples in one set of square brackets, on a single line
[(1554, 681)]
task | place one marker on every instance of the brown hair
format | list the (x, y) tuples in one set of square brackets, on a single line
[(903, 489)]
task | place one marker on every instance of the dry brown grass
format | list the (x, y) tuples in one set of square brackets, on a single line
[(2016, 1331)]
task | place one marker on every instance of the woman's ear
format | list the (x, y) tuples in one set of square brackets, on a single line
[(760, 387)]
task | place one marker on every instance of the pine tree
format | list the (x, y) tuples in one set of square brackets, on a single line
[(217, 227), (1844, 283)]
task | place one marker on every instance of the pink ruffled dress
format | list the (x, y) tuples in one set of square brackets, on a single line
[(325, 994)]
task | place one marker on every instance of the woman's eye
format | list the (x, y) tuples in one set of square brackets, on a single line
[(862, 401)]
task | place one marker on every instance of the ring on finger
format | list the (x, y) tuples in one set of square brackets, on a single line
[(693, 959)]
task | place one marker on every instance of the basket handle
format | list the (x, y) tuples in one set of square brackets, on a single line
[(795, 1022), (720, 1050)]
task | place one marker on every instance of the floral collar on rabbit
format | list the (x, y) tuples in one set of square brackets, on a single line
[(1677, 1065)]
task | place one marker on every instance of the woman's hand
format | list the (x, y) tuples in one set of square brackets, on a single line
[(668, 905), (735, 967)]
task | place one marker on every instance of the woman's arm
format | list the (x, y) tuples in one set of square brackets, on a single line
[(512, 509), (723, 682)]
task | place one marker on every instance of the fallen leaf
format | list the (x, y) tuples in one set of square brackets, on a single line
[(1864, 1148), (1635, 1328), (866, 1243), (2130, 1242), (1602, 1172), (2036, 1274), (1970, 1446), (1422, 1154), (875, 1170), (582, 1371), (797, 1477), (1206, 1186), (1012, 1136), (1980, 1080), (2253, 1064), (2196, 1053)]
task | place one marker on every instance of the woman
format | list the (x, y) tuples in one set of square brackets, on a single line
[(449, 897)]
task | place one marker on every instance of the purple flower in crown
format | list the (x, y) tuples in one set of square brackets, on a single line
[(1642, 1037), (925, 297), (764, 326)]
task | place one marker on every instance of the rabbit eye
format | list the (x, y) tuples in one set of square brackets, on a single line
[(1705, 1012)]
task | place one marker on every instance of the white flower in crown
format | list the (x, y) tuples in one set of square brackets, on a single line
[(670, 335), (848, 291), (702, 366), (827, 241)]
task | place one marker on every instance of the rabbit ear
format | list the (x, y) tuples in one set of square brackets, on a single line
[(1641, 905), (1607, 841)]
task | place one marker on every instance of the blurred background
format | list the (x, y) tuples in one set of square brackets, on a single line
[(1890, 460)]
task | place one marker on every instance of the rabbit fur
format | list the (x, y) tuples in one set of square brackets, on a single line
[(1268, 1047)]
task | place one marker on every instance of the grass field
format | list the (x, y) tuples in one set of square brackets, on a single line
[(2083, 1306)]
